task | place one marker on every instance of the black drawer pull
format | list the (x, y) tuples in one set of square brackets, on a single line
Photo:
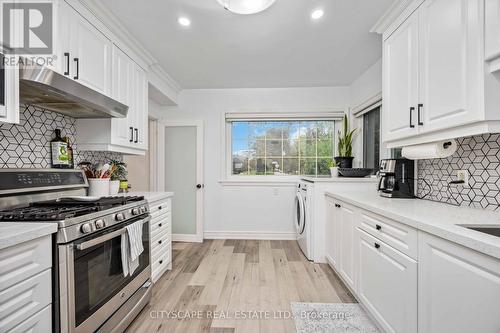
[(378, 226), (131, 134), (159, 242), (77, 76), (337, 205), (66, 55), (159, 225), (161, 262), (159, 207), (377, 245)]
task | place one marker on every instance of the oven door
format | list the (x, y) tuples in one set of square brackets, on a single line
[(92, 286)]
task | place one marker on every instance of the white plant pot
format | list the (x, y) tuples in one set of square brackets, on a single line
[(334, 171), (114, 187), (98, 187)]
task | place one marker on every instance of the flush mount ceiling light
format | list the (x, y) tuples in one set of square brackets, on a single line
[(246, 6), (317, 14), (184, 21)]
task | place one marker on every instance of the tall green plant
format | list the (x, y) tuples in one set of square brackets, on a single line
[(345, 139)]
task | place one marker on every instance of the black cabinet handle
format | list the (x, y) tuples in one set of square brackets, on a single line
[(159, 225), (131, 134), (66, 55), (377, 245), (77, 69), (337, 205), (160, 207), (378, 226), (411, 117), (161, 262), (136, 135), (159, 242), (420, 122)]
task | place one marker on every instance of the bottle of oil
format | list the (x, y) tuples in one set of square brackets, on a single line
[(59, 151), (71, 161)]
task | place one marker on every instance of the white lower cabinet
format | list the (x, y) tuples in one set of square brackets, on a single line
[(387, 284), (26, 287), (347, 238), (458, 288), (161, 237), (449, 288)]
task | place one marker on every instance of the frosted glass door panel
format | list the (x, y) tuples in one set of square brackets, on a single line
[(180, 176)]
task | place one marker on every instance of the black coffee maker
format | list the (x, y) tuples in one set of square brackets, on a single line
[(397, 178)]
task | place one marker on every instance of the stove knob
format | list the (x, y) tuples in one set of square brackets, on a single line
[(86, 228), (143, 209), (99, 224), (120, 217), (135, 211)]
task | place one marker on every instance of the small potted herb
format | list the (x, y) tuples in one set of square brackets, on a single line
[(118, 175), (344, 159), (334, 169)]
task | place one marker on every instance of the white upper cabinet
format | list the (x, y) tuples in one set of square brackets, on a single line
[(90, 55), (400, 63), (435, 83), (9, 92), (492, 34), (450, 63)]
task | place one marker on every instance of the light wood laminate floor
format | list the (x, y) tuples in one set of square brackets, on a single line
[(217, 283)]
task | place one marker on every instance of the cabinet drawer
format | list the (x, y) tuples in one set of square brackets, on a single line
[(159, 215), (161, 264), (157, 206), (164, 247), (395, 234), (21, 301), (19, 262), (158, 225), (387, 284), (158, 239), (40, 322)]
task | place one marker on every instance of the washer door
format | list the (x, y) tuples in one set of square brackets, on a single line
[(300, 219)]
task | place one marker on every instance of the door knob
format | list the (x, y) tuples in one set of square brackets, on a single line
[(199, 186)]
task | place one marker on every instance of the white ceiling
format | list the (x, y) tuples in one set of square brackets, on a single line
[(280, 47)]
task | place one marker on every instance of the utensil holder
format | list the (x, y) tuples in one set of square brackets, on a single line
[(98, 187)]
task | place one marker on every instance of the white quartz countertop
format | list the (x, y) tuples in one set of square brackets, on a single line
[(436, 218), (152, 196), (13, 233), (340, 179)]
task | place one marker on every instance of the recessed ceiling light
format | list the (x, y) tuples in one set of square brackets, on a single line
[(184, 21), (317, 14)]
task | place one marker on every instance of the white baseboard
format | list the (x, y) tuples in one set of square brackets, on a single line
[(250, 235), (186, 238)]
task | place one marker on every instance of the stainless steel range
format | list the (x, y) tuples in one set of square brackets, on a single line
[(91, 293)]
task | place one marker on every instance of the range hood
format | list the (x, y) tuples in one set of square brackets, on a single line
[(44, 87)]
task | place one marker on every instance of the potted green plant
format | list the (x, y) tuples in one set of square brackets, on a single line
[(118, 171), (334, 169), (345, 138)]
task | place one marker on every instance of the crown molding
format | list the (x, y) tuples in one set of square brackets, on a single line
[(130, 44), (390, 15)]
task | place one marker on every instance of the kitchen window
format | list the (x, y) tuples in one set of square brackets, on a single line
[(281, 147), (371, 139)]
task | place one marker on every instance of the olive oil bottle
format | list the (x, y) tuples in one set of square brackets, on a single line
[(71, 160), (59, 151)]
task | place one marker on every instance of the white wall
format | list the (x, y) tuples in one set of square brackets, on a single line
[(363, 88), (247, 209)]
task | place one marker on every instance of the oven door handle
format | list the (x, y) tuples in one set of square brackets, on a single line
[(106, 237)]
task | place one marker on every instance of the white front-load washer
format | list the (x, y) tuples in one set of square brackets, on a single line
[(301, 220)]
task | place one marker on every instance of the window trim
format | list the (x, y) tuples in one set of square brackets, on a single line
[(228, 179)]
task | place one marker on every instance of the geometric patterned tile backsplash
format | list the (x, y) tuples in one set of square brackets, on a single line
[(27, 144), (480, 156)]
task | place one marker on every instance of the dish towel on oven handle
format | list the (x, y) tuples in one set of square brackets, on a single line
[(131, 244)]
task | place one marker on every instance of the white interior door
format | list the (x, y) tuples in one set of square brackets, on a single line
[(182, 173)]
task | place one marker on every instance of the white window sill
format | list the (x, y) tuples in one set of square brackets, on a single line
[(260, 181)]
